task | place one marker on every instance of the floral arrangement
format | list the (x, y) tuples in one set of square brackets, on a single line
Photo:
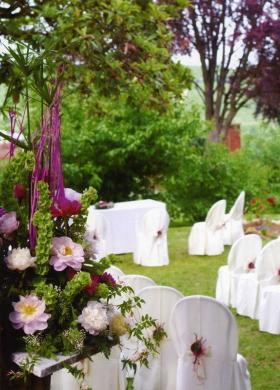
[(199, 350), (102, 204), (55, 297)]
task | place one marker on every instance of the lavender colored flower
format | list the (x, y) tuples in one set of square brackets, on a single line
[(66, 253), (29, 314), (8, 223), (2, 211), (94, 318), (108, 279)]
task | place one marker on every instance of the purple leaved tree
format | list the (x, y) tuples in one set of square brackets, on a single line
[(266, 90), (227, 35)]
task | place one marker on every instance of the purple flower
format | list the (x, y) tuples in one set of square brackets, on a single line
[(8, 223), (66, 253), (108, 279), (2, 211), (29, 314)]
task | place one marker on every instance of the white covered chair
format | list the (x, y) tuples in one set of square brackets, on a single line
[(233, 222), (137, 282), (100, 374), (220, 368), (241, 259), (116, 272), (206, 237), (269, 314), (96, 235), (161, 374), (151, 239), (251, 285)]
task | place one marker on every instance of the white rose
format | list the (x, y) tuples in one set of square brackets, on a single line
[(20, 259), (94, 318)]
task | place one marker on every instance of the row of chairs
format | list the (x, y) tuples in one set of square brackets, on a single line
[(151, 238), (218, 229), (250, 282), (174, 367)]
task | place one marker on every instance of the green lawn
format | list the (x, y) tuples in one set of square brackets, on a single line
[(197, 275)]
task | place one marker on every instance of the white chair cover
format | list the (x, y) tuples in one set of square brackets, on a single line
[(233, 223), (161, 374), (250, 285), (96, 235), (206, 237), (243, 252), (101, 374), (269, 314), (151, 239), (116, 272), (129, 345), (221, 369)]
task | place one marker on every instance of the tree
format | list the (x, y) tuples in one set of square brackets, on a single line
[(109, 46), (222, 32), (266, 91)]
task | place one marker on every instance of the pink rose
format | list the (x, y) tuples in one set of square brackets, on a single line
[(8, 223)]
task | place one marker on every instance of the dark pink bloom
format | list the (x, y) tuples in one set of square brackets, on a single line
[(65, 208), (2, 211), (8, 223), (253, 201), (92, 287), (271, 200), (251, 265), (19, 191)]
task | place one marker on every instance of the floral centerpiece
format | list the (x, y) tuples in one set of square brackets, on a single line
[(55, 297)]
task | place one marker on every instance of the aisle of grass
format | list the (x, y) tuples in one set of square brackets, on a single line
[(197, 275)]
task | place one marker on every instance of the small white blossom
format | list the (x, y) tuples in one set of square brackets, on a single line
[(20, 259), (94, 318)]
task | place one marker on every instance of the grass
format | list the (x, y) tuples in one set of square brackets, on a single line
[(197, 275)]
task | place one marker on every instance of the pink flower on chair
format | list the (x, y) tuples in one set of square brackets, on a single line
[(66, 253)]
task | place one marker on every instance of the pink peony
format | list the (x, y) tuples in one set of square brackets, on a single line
[(29, 314), (66, 253), (8, 223), (72, 195)]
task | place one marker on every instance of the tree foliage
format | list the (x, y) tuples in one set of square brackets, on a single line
[(226, 35), (107, 46)]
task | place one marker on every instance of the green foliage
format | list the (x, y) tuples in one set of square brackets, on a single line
[(209, 173), (17, 171), (74, 286), (48, 292), (77, 228), (43, 221), (123, 151)]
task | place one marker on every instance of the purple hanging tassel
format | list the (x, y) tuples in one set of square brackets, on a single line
[(48, 165)]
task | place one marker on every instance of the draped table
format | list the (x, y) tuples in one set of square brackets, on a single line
[(121, 223)]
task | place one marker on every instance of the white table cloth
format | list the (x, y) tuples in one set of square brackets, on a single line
[(121, 221)]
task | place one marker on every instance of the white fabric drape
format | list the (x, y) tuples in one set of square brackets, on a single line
[(101, 374), (151, 247), (121, 221), (161, 374), (207, 318), (206, 237), (96, 235), (269, 314), (233, 222), (250, 285), (241, 257)]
